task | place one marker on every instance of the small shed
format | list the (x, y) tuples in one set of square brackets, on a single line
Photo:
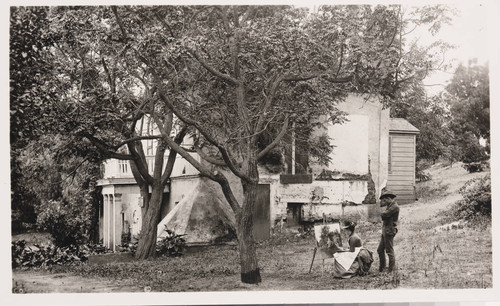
[(402, 156)]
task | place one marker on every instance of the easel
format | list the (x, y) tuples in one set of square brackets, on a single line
[(324, 252)]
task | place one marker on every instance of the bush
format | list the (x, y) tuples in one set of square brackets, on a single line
[(473, 154), (476, 166), (67, 223), (43, 256), (172, 245), (421, 166), (476, 202), (421, 176)]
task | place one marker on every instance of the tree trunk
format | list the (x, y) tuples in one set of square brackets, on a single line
[(147, 242), (250, 272), (145, 198)]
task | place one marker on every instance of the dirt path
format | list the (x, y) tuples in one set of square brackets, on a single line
[(41, 282), (450, 180)]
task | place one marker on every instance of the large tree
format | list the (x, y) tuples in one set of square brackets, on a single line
[(240, 77), (105, 100), (250, 74)]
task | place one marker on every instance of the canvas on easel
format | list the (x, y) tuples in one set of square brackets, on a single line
[(328, 242)]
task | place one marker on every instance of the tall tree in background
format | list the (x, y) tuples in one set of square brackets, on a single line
[(430, 114), (64, 187), (469, 98), (29, 91)]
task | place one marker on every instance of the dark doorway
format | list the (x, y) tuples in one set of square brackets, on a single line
[(261, 223), (293, 214)]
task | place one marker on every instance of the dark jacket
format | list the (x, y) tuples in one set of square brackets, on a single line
[(390, 219), (354, 242)]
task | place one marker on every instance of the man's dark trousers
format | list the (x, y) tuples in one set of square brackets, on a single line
[(386, 245)]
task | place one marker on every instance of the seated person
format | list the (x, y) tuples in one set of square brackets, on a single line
[(354, 241), (353, 261)]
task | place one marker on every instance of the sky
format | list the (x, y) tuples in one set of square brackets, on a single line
[(470, 32)]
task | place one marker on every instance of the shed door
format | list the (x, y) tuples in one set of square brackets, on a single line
[(261, 224), (401, 179)]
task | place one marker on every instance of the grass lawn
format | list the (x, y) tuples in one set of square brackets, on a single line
[(429, 255)]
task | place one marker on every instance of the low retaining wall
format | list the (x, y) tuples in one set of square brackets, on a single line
[(313, 212)]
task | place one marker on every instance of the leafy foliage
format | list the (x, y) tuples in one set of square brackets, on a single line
[(472, 154), (29, 91), (171, 245), (469, 97), (63, 188), (476, 166), (430, 115), (29, 39), (476, 202), (68, 223), (47, 255), (421, 176)]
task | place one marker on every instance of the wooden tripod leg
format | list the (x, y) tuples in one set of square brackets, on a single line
[(314, 255)]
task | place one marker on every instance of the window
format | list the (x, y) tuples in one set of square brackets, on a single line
[(123, 166), (296, 151), (149, 147)]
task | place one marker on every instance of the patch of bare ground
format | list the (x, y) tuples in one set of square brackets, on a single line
[(439, 193), (31, 281)]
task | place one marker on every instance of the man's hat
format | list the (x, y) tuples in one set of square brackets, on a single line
[(348, 224), (387, 193)]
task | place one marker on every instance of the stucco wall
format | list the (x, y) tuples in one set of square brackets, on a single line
[(180, 187), (378, 133), (318, 198), (361, 143), (351, 145), (183, 167)]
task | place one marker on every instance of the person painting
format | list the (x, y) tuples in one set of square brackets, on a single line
[(353, 261), (354, 241), (389, 229)]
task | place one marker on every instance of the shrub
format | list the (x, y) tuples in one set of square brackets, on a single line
[(473, 154), (476, 166), (67, 223), (43, 256), (421, 176), (172, 245), (476, 202)]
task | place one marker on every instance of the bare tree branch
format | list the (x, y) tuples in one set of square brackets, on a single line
[(225, 154), (120, 22), (173, 154), (105, 148), (210, 159), (276, 141), (213, 71), (136, 139)]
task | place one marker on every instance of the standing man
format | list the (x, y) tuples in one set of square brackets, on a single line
[(389, 229)]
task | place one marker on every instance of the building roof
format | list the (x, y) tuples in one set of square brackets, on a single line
[(401, 125)]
